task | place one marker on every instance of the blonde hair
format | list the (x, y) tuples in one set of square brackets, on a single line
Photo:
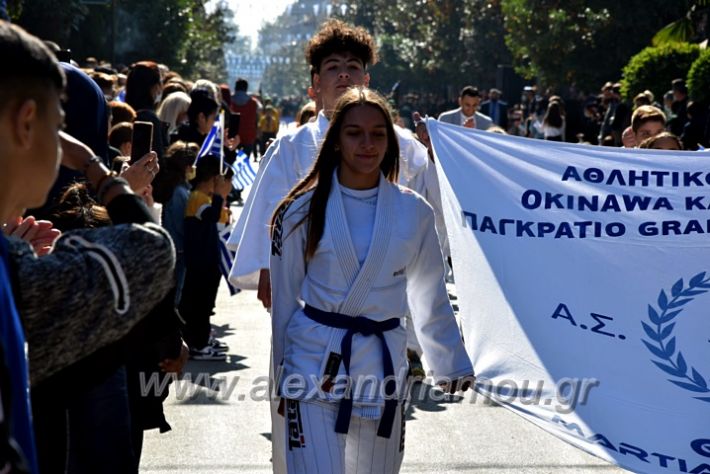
[(175, 104), (646, 113)]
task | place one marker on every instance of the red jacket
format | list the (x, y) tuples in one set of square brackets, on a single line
[(247, 123)]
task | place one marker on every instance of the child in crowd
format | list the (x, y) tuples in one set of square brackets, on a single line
[(172, 189), (204, 211)]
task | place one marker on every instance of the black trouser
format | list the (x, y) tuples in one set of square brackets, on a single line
[(197, 302)]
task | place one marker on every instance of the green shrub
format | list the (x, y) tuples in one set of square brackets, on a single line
[(655, 67), (699, 78)]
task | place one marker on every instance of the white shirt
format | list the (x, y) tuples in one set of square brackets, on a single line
[(360, 206)]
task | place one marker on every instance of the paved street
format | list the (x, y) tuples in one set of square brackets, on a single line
[(213, 433)]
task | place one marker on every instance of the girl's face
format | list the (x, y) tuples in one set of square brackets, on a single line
[(363, 144)]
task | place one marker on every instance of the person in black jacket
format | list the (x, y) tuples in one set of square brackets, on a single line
[(144, 89)]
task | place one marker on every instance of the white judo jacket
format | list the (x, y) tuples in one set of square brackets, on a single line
[(403, 270), (286, 162)]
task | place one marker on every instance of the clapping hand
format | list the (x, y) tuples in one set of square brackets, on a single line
[(41, 235)]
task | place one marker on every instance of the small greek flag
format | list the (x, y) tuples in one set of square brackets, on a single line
[(244, 174), (213, 141), (226, 258)]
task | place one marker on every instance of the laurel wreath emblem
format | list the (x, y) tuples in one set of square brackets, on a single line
[(663, 343)]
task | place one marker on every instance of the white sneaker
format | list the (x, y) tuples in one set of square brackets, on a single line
[(207, 353)]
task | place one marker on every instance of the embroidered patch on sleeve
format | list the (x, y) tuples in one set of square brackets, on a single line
[(277, 234)]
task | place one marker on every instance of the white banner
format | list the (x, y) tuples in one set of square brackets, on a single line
[(583, 275)]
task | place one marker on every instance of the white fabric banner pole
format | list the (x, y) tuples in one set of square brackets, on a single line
[(583, 276)]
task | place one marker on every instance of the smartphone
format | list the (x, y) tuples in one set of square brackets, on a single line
[(142, 142), (234, 120)]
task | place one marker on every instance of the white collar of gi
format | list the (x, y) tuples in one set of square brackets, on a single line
[(322, 122)]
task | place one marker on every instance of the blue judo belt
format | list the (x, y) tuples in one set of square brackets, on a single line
[(366, 327)]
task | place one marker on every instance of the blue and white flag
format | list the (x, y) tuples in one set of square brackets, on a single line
[(244, 174), (226, 258), (583, 276), (212, 145)]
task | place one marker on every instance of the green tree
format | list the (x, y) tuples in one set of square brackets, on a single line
[(699, 78), (53, 20), (692, 27), (579, 41), (202, 54), (179, 33), (282, 42), (655, 67), (434, 45)]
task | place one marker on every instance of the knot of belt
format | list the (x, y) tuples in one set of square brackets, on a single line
[(366, 327)]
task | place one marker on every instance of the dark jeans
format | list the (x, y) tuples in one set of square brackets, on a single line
[(196, 304), (100, 429)]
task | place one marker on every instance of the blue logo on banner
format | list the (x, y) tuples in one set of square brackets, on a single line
[(662, 343)]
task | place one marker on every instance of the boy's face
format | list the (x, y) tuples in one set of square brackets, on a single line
[(648, 130), (31, 150), (337, 73)]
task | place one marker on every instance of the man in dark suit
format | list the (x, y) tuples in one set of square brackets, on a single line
[(496, 109), (467, 114)]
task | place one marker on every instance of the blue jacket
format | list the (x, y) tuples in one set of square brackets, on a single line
[(12, 338)]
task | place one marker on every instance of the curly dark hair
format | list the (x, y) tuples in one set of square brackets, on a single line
[(336, 36)]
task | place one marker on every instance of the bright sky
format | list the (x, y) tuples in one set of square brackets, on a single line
[(251, 14)]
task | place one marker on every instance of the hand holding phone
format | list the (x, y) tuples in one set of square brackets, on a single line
[(142, 140)]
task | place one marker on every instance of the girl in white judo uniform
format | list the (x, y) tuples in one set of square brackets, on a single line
[(351, 252)]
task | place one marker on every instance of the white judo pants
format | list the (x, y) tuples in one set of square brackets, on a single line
[(278, 460), (313, 446), (412, 341)]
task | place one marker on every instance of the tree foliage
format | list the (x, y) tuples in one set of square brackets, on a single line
[(445, 43), (699, 78), (579, 41), (690, 28), (283, 42), (655, 67), (179, 33), (424, 45)]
